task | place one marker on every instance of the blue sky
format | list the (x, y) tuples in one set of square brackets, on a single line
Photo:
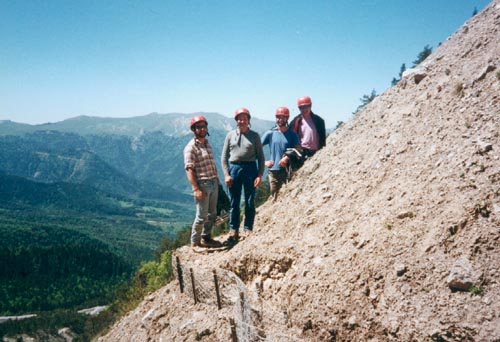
[(64, 58)]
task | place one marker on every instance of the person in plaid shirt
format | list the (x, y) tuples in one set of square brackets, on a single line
[(201, 172)]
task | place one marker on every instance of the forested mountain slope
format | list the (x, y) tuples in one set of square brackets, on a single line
[(140, 156), (55, 237), (56, 157)]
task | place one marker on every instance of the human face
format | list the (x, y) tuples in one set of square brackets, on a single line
[(242, 121), (200, 130), (305, 110), (281, 120)]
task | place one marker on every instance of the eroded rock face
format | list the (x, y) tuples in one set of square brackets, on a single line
[(377, 231)]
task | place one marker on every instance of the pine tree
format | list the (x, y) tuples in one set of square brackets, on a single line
[(366, 99), (423, 55), (401, 70)]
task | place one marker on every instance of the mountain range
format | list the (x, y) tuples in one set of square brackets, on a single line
[(113, 187), (145, 149)]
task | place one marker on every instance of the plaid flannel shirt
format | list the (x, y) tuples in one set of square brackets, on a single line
[(200, 158)]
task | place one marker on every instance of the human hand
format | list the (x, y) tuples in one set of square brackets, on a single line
[(198, 194), (228, 180), (283, 161), (269, 163), (257, 182)]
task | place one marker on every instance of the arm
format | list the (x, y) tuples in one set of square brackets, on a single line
[(191, 175), (225, 161), (266, 140), (189, 163), (260, 161), (293, 124), (320, 126), (292, 142)]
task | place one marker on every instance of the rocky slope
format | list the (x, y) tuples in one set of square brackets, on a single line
[(390, 233)]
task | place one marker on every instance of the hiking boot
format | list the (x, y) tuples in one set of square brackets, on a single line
[(197, 248), (247, 232), (233, 233), (230, 242), (209, 242)]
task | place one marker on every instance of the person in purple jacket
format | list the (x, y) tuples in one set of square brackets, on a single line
[(310, 128)]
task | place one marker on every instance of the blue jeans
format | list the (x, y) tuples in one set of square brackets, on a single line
[(243, 175), (206, 211)]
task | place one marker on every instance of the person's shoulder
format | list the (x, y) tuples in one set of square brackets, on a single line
[(298, 117), (253, 133), (267, 133), (231, 133), (317, 116), (189, 145), (190, 142), (291, 132), (272, 130)]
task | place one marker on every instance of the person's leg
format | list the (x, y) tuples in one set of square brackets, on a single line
[(249, 188), (273, 184), (200, 218), (280, 177), (212, 193), (235, 195)]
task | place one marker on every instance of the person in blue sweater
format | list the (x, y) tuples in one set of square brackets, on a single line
[(279, 139)]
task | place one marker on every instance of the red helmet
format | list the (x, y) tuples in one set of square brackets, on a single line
[(304, 101), (242, 110), (197, 118), (282, 111)]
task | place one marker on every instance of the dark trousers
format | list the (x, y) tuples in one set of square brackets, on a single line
[(276, 180), (243, 176)]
